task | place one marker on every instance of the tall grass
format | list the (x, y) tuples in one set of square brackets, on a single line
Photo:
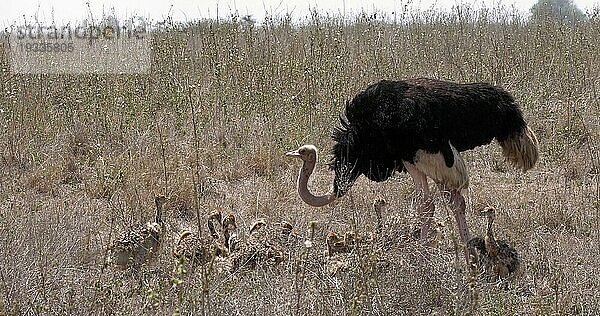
[(82, 157)]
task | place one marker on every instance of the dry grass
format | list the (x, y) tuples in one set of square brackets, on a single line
[(81, 159)]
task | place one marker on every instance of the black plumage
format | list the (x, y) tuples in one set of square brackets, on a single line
[(390, 121)]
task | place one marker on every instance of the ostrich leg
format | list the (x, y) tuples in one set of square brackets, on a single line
[(424, 201), (458, 205)]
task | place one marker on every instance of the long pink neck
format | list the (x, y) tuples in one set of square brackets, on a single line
[(317, 201)]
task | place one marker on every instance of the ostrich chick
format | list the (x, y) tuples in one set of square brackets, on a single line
[(198, 249), (337, 244), (214, 216), (284, 232), (230, 233), (497, 257), (258, 248), (140, 242), (379, 205), (257, 232), (339, 247), (261, 239)]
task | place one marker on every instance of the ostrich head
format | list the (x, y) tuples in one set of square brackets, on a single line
[(229, 223), (333, 240), (159, 200), (308, 153), (216, 215), (380, 204), (490, 213), (257, 226), (350, 238), (154, 228)]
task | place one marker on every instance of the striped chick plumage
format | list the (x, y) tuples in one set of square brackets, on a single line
[(199, 249), (140, 242), (497, 257), (260, 247)]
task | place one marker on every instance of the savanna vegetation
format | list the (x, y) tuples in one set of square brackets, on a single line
[(82, 157)]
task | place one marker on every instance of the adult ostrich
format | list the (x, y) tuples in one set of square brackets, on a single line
[(420, 126)]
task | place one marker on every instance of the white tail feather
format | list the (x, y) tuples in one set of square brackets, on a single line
[(521, 149)]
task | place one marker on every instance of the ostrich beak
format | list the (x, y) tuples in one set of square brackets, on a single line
[(293, 153)]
